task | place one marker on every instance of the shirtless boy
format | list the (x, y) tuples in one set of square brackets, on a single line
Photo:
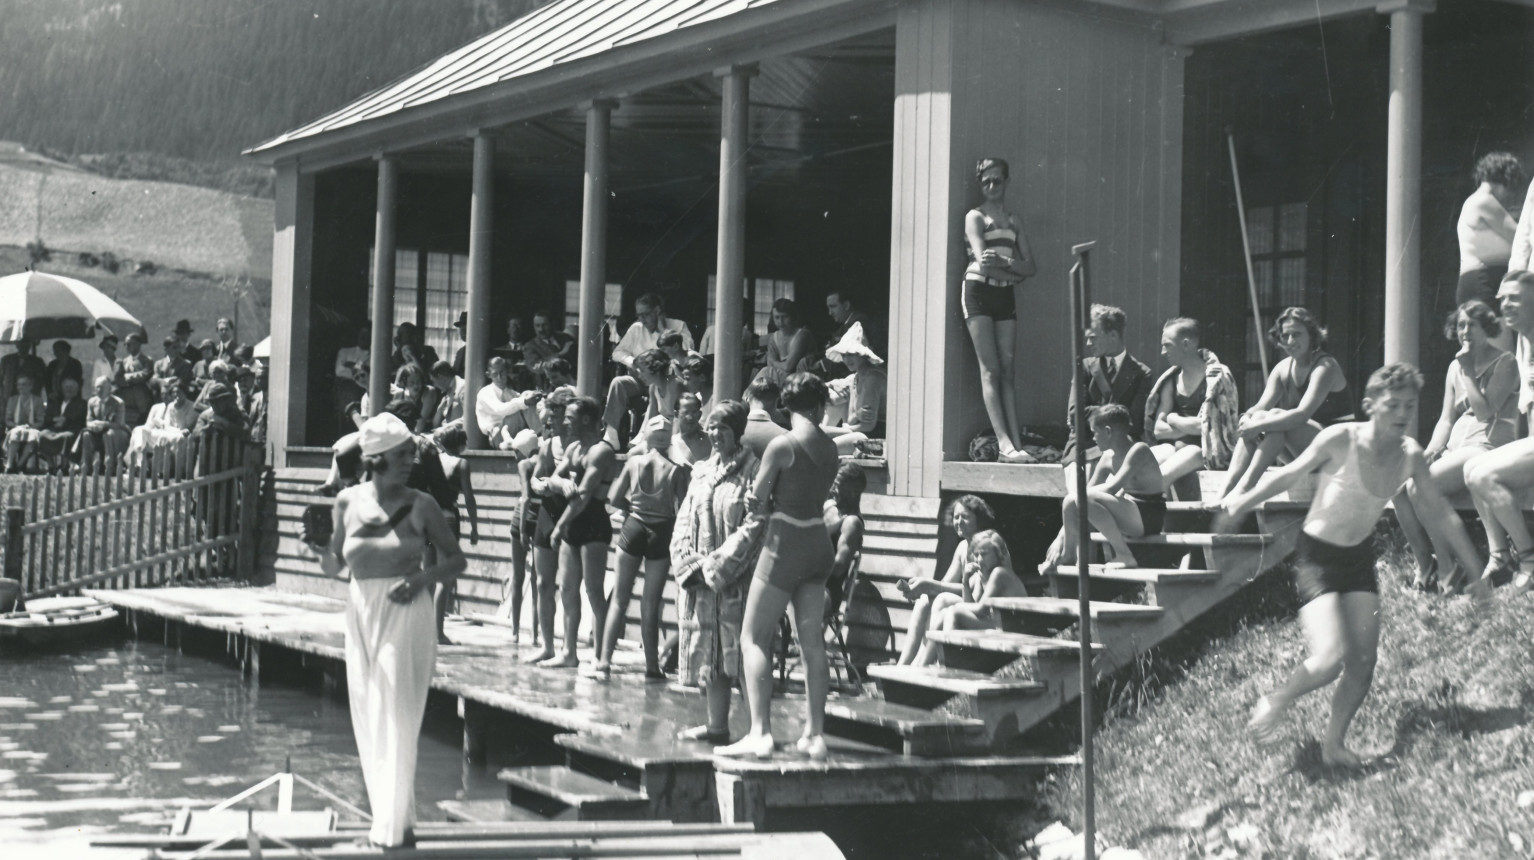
[(1363, 465), (1124, 495)]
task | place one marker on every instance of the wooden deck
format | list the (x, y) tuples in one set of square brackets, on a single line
[(621, 733)]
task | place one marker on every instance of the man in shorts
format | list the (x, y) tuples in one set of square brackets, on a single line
[(584, 530), (1362, 466)]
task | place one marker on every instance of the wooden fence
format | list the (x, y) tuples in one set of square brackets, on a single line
[(190, 518)]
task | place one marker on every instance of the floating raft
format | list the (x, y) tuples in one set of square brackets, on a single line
[(57, 621)]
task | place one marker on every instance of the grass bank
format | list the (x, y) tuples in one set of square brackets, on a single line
[(1446, 730)]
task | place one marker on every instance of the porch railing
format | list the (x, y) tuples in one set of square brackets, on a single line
[(191, 517)]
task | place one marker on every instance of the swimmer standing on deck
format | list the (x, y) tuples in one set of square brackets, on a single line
[(1363, 465)]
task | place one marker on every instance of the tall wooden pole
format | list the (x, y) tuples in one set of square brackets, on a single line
[(292, 265), (383, 285), (1403, 181), (588, 371), (1081, 303), (476, 334), (730, 264)]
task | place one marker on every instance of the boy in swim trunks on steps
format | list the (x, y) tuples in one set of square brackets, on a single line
[(1124, 496), (1363, 465)]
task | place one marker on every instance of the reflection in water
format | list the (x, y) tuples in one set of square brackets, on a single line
[(118, 738)]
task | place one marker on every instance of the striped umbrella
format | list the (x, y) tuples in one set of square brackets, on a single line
[(40, 306)]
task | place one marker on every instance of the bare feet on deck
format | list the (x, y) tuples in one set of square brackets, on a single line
[(541, 656), (1265, 722), (565, 661), (1127, 561), (704, 733), (758, 746), (812, 746)]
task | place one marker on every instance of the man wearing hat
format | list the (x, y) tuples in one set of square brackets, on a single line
[(22, 362), (184, 345), (130, 380), (202, 367), (856, 410)]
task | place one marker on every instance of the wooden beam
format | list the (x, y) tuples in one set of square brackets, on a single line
[(1202, 22), (383, 285), (588, 368), (292, 271), (481, 237), (730, 261), (1403, 181)]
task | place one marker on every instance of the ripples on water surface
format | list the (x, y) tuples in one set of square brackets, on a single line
[(118, 738)]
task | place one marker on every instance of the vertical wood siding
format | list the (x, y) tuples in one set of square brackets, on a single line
[(1088, 112)]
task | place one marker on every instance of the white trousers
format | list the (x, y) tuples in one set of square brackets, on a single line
[(390, 652)]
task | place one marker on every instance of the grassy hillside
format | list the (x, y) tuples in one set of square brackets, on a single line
[(160, 299), (1446, 731)]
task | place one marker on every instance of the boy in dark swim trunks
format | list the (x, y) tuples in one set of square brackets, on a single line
[(1362, 465), (1124, 497), (584, 530)]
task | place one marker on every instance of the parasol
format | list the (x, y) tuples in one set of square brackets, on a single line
[(40, 306)]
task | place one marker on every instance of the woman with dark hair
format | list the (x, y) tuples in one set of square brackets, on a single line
[(1480, 412), (789, 346), (796, 560), (843, 516), (381, 529), (999, 260), (1487, 224), (714, 548), (968, 515), (1305, 392)]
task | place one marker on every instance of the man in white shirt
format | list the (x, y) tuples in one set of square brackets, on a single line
[(856, 410), (502, 411), (645, 333), (351, 362)]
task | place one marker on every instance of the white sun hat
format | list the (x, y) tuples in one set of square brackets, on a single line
[(853, 343)]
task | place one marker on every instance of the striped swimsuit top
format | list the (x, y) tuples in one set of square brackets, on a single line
[(998, 237)]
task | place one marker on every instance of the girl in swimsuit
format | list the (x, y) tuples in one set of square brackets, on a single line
[(987, 573), (969, 515), (796, 560), (1480, 412), (999, 260), (1124, 496), (1305, 392), (1363, 465)]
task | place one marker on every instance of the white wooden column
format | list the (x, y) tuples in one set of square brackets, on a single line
[(588, 368), (292, 260), (383, 285), (481, 237), (1403, 181), (730, 264)]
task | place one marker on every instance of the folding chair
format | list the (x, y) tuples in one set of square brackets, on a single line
[(838, 657)]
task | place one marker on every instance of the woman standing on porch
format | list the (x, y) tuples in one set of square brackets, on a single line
[(999, 260), (381, 531)]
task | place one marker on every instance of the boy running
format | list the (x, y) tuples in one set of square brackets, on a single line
[(1363, 465)]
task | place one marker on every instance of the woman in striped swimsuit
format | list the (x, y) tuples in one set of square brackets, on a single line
[(999, 260)]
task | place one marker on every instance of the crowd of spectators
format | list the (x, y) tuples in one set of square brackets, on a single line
[(131, 409)]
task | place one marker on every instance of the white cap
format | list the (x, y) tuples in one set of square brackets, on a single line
[(525, 442), (853, 342), (383, 433)]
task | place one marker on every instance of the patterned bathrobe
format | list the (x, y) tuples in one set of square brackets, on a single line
[(1217, 417), (716, 538)]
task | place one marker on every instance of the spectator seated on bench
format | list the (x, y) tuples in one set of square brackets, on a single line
[(1191, 414), (106, 429), (969, 515), (169, 422), (856, 411), (508, 405), (62, 425), (653, 378), (25, 414)]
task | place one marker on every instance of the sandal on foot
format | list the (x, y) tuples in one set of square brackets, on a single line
[(1500, 567), (1426, 578)]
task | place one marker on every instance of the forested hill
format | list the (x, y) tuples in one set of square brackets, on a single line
[(204, 79)]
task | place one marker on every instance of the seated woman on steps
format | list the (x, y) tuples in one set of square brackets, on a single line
[(1124, 495), (987, 573), (1362, 466), (1305, 392), (969, 515), (1480, 413)]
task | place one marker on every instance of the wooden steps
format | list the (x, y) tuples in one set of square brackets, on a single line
[(486, 811), (1140, 575), (904, 729), (558, 793), (958, 692)]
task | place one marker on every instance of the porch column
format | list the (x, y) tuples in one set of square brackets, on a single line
[(1403, 180), (588, 370), (476, 333), (730, 265), (292, 258), (383, 285)]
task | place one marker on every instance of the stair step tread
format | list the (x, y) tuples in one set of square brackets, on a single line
[(488, 810), (569, 787), (1072, 607), (960, 681), (1194, 539), (1141, 574), (1270, 505), (902, 719), (1007, 643)]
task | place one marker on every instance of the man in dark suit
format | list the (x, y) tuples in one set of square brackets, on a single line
[(62, 367), (1109, 375)]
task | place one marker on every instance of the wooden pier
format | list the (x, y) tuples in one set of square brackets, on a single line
[(606, 750)]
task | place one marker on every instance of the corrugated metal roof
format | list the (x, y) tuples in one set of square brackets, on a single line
[(558, 33)]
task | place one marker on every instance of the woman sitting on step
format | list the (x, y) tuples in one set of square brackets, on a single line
[(969, 515), (987, 573)]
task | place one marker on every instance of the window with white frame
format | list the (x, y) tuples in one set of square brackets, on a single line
[(430, 290)]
